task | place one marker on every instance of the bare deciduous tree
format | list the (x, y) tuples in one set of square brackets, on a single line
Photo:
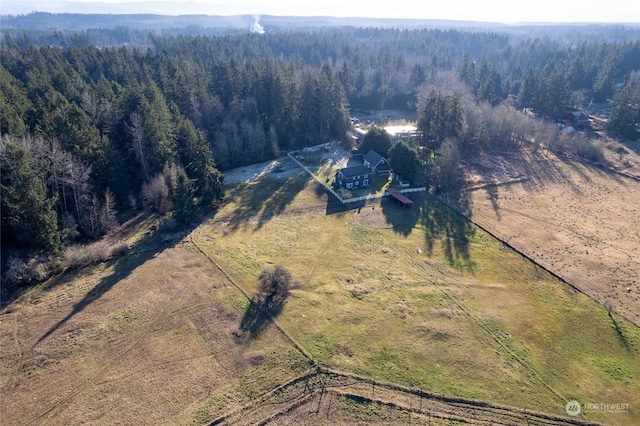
[(274, 284), (136, 129)]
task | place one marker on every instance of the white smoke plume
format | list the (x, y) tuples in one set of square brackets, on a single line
[(256, 27)]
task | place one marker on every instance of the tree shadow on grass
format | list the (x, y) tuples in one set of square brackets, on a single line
[(492, 192), (279, 199), (402, 219), (263, 199), (259, 314), (152, 244), (617, 327), (449, 226)]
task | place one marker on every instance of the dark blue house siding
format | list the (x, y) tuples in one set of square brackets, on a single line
[(354, 177)]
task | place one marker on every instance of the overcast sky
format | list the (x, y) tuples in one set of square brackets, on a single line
[(507, 11)]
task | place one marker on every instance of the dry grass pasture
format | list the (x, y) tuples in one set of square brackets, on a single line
[(147, 339), (579, 221), (419, 299)]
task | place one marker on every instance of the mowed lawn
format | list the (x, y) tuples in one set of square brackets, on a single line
[(423, 298)]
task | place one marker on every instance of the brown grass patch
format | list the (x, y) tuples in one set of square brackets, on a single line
[(580, 222), (156, 347)]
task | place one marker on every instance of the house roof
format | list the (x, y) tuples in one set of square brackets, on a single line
[(577, 115), (384, 166), (355, 171), (373, 158)]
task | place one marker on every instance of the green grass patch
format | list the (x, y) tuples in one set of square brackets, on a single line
[(122, 318), (614, 368)]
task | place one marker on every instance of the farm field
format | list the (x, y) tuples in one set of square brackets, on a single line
[(420, 299), (147, 339), (579, 221), (425, 299)]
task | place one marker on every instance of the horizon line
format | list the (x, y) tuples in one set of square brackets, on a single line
[(231, 15)]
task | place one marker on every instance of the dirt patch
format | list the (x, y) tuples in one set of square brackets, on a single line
[(337, 398), (281, 168), (579, 221)]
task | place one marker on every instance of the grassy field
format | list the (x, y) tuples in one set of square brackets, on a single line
[(422, 297), (580, 221), (419, 297), (151, 338)]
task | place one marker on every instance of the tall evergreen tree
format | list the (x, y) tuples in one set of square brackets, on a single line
[(27, 212), (404, 160), (198, 163), (185, 206), (440, 117), (14, 105), (625, 114), (376, 139)]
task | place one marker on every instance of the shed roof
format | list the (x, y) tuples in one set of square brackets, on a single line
[(355, 171), (398, 196), (577, 115)]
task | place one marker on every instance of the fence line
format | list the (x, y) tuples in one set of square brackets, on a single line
[(349, 200), (421, 189), (334, 193)]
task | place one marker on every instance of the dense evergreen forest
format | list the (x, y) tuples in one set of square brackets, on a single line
[(98, 122)]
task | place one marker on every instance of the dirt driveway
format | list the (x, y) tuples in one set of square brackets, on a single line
[(284, 167)]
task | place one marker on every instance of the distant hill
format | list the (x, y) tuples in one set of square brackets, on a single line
[(82, 21), (109, 18)]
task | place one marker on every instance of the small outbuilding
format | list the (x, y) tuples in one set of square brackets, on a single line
[(576, 118), (399, 198)]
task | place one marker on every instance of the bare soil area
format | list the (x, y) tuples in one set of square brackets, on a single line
[(336, 398), (579, 221), (282, 168)]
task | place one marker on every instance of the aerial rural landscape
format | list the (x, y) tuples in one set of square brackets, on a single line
[(318, 221)]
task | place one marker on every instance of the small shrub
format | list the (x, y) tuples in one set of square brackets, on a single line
[(75, 257), (16, 272), (79, 256), (119, 248), (20, 272), (168, 225), (590, 150)]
